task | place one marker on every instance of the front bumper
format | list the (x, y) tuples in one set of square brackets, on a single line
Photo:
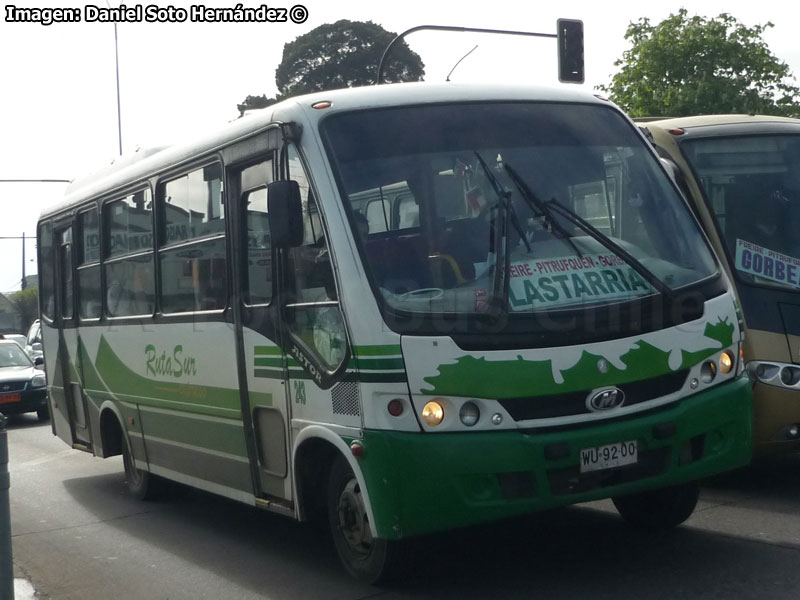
[(424, 482), (775, 410)]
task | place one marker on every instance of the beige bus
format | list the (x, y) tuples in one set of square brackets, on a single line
[(741, 175)]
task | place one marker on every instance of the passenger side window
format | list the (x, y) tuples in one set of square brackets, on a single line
[(46, 274), (592, 202), (89, 295), (128, 250), (253, 182), (193, 255), (65, 267), (314, 314)]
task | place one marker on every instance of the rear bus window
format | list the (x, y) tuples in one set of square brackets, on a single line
[(46, 284)]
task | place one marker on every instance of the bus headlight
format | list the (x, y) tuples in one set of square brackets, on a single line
[(708, 371), (432, 413), (469, 413), (726, 362), (790, 376)]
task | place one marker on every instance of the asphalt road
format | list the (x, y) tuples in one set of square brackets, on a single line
[(76, 534)]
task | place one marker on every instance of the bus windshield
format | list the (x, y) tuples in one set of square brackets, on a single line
[(752, 187), (522, 206)]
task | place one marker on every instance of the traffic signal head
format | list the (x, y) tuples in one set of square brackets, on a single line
[(570, 51)]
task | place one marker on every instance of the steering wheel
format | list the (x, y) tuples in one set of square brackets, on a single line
[(431, 293)]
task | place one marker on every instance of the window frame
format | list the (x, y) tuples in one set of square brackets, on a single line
[(105, 254), (242, 191), (82, 265), (159, 240), (45, 281)]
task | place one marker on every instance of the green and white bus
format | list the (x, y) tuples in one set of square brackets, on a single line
[(406, 308)]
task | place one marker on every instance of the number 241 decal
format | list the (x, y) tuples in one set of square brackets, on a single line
[(300, 392)]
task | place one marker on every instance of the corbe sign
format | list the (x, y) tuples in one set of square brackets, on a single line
[(570, 280), (768, 264)]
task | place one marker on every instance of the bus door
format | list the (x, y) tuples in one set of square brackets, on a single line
[(262, 371), (69, 414)]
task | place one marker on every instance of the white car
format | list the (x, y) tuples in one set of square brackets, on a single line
[(16, 337), (23, 384), (33, 343)]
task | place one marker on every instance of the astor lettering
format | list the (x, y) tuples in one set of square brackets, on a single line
[(312, 370)]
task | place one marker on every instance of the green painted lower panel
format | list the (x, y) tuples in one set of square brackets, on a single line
[(420, 483), (215, 435)]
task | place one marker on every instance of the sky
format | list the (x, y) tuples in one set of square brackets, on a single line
[(58, 91)]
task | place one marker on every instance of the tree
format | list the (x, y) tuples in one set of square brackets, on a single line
[(343, 54), (26, 305), (685, 66), (254, 102)]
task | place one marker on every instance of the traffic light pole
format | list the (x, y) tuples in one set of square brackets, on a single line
[(400, 37), (569, 36)]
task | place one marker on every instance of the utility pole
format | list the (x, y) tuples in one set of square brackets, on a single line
[(116, 68), (22, 285)]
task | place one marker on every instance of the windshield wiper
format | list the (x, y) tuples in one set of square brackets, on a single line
[(502, 259), (547, 209), (504, 196), (536, 205), (610, 244)]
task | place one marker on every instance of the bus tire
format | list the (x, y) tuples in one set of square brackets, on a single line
[(368, 559), (142, 485), (659, 509)]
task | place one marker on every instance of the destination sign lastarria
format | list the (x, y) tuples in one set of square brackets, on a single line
[(573, 279)]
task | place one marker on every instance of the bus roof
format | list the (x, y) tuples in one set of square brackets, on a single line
[(144, 163), (714, 121)]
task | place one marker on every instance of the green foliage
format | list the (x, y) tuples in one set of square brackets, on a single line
[(254, 102), (343, 54), (26, 305), (693, 65)]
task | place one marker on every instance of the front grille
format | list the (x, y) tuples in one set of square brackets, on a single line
[(12, 386), (570, 480), (574, 403)]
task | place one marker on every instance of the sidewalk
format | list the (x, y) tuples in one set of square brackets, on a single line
[(23, 590)]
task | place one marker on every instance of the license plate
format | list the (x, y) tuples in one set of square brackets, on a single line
[(9, 398), (608, 456)]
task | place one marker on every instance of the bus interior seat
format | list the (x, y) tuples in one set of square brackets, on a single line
[(399, 262)]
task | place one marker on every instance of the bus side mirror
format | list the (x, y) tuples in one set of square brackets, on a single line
[(285, 214), (570, 51)]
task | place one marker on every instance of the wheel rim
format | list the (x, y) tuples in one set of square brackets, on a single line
[(353, 520)]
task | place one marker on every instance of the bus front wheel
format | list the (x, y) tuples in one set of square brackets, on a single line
[(369, 559), (659, 509)]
